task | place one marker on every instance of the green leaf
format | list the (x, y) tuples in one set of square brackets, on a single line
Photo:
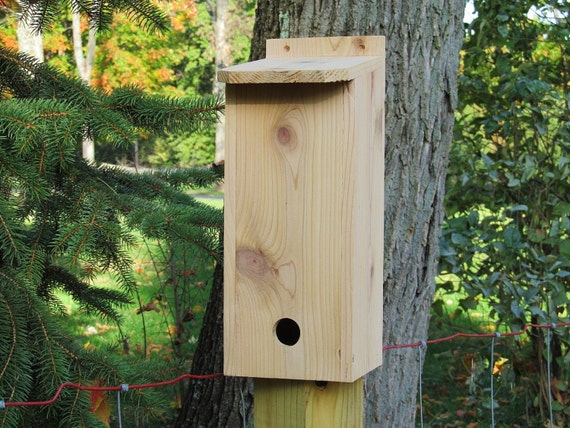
[(559, 299), (512, 237), (536, 310), (473, 218), (562, 208), (446, 250), (520, 207), (503, 30), (468, 303), (554, 229), (541, 127), (502, 17), (460, 240), (437, 307), (513, 181), (565, 248)]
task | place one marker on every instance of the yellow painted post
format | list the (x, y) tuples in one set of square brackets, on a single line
[(295, 404), (303, 230)]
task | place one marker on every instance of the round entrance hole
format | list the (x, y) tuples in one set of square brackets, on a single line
[(287, 331)]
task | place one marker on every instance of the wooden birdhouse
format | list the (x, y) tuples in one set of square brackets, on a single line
[(304, 201)]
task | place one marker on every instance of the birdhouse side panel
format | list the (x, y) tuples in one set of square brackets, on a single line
[(369, 225)]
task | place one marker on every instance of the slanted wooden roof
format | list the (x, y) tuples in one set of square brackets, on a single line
[(300, 70)]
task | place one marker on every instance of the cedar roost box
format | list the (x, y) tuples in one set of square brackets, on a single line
[(304, 210)]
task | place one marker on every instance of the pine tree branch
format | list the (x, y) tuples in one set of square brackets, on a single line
[(15, 78), (62, 219), (41, 14), (144, 13), (100, 300), (159, 113)]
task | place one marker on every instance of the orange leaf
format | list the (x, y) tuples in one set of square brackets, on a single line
[(10, 4), (99, 404), (499, 364)]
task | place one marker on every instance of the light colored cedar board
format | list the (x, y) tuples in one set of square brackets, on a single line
[(360, 312), (283, 246), (299, 70), (326, 46)]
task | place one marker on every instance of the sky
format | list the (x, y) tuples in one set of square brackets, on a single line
[(470, 14)]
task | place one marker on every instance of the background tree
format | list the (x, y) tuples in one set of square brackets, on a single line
[(424, 38), (64, 220), (232, 20), (179, 62), (29, 41), (505, 242), (84, 63)]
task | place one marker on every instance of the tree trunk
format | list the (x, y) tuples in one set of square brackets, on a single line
[(423, 42), (29, 41), (220, 402), (223, 58), (84, 69)]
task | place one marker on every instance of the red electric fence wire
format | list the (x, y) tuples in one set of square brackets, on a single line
[(475, 335), (107, 388), (217, 375)]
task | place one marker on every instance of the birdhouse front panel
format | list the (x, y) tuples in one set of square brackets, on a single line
[(303, 229)]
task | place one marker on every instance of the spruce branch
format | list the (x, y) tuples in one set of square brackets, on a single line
[(39, 14), (63, 220), (160, 113), (16, 78), (10, 236), (98, 300), (41, 128), (196, 178), (144, 13)]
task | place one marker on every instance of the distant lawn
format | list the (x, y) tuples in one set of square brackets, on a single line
[(214, 200), (153, 331)]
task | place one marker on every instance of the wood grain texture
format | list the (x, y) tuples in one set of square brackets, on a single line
[(326, 46), (300, 70), (304, 228), (306, 404)]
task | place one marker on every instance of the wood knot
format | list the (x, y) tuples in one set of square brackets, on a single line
[(283, 135), (360, 45), (251, 263), (286, 137)]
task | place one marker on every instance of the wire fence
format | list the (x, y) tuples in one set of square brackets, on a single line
[(421, 345)]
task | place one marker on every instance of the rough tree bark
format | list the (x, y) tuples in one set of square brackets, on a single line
[(220, 402), (423, 42)]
